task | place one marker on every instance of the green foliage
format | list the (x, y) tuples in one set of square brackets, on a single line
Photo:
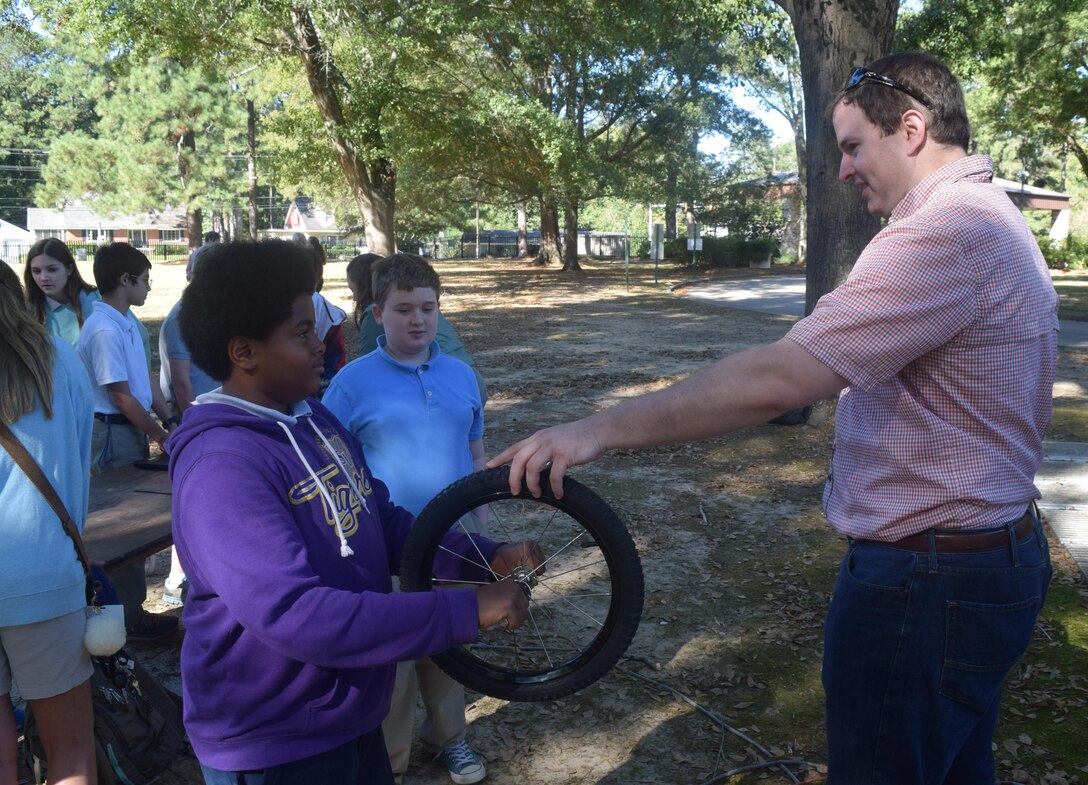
[(723, 251), (1070, 254), (1024, 66), (550, 104), (165, 138), (747, 211), (451, 103), (49, 90), (611, 214)]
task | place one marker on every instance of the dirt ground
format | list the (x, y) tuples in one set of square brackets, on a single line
[(738, 561)]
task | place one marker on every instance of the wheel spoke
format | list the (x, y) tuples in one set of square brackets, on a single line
[(483, 561), (467, 560), (584, 603), (566, 601), (539, 637)]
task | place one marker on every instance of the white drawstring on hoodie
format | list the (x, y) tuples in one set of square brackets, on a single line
[(345, 549)]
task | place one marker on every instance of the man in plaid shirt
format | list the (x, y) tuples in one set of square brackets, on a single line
[(943, 344)]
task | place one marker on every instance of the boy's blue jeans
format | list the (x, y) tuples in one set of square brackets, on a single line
[(362, 761), (917, 646)]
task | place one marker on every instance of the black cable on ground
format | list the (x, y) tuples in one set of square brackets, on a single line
[(756, 766), (771, 761)]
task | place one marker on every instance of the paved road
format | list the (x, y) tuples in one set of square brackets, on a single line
[(785, 296), (1063, 477)]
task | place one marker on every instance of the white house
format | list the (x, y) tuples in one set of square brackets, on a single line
[(77, 224)]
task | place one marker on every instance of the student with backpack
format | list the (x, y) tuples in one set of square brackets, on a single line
[(47, 406)]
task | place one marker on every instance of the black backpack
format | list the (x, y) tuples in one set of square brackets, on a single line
[(137, 725)]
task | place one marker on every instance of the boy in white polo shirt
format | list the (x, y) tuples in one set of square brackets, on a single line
[(112, 352)]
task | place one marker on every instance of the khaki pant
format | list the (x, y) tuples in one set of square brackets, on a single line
[(444, 701), (113, 446)]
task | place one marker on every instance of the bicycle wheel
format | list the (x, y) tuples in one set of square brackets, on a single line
[(584, 608)]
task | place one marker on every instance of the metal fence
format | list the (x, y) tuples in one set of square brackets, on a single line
[(602, 245), (14, 251)]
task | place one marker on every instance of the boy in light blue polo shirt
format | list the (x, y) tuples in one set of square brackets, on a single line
[(418, 415), (180, 379)]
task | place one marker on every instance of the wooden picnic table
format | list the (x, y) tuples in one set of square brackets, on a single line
[(128, 517)]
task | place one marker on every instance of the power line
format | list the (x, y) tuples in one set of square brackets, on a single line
[(198, 153)]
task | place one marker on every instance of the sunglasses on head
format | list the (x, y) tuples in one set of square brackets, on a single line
[(862, 74)]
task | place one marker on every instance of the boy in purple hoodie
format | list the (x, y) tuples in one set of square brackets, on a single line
[(289, 543)]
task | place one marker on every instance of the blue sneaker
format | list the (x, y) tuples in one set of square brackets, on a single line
[(463, 763)]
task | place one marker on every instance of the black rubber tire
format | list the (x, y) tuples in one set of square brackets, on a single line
[(615, 614)]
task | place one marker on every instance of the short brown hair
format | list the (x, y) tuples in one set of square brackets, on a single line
[(360, 272), (403, 271), (115, 260), (925, 75)]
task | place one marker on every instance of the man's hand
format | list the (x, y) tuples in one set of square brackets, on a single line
[(510, 556), (559, 447), (502, 602)]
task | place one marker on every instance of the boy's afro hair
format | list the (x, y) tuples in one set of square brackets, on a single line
[(241, 289)]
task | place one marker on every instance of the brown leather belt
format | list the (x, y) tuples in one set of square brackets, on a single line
[(961, 541)]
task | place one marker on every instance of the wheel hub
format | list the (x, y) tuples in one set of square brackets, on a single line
[(525, 578)]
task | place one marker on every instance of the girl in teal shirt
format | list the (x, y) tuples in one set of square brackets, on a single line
[(57, 293)]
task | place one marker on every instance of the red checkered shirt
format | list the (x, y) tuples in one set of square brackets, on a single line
[(946, 329)]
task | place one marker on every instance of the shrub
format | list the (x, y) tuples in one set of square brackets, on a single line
[(733, 251), (1069, 254), (677, 249)]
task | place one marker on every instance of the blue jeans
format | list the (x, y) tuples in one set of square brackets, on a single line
[(362, 761), (916, 647)]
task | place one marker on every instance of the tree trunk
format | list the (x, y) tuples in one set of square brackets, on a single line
[(372, 181), (1078, 152), (672, 172), (251, 155), (549, 233), (833, 37), (237, 224), (801, 194), (523, 229), (570, 235), (194, 218), (194, 225)]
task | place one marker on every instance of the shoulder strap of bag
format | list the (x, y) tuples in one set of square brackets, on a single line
[(26, 462)]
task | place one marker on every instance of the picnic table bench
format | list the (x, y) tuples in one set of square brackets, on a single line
[(128, 516)]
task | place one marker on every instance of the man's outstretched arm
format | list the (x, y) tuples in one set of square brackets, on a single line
[(738, 391)]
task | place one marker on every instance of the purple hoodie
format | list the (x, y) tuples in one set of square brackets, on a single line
[(290, 645)]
